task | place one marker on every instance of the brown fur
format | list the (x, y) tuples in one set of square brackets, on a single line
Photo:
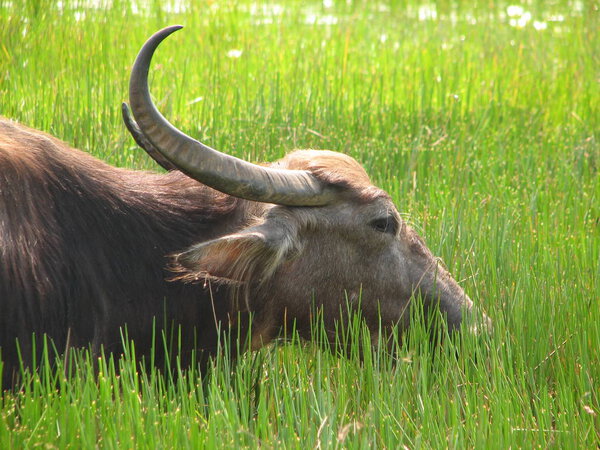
[(83, 246), (85, 250)]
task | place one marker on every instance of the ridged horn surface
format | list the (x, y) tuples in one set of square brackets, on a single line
[(222, 172)]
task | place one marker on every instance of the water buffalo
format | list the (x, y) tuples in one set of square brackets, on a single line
[(86, 248)]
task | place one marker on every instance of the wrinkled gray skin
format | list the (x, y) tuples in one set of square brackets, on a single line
[(324, 235)]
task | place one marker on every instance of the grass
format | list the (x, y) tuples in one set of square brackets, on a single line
[(482, 125)]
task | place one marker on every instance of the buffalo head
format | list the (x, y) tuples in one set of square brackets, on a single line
[(316, 231)]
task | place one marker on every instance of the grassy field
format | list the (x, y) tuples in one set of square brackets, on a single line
[(481, 118)]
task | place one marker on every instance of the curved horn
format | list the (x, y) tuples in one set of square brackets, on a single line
[(222, 172), (141, 140)]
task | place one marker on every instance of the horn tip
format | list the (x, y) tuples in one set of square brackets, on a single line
[(173, 28), (164, 32)]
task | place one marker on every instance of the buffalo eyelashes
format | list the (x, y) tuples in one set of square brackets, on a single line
[(387, 224)]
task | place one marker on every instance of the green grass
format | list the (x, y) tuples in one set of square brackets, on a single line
[(484, 133)]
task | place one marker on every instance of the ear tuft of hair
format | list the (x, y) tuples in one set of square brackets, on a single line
[(250, 257)]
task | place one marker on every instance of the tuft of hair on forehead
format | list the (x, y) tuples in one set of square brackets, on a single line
[(333, 168)]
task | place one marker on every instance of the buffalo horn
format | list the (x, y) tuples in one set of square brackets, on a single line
[(222, 172)]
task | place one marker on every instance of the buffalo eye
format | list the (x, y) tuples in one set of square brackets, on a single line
[(387, 224)]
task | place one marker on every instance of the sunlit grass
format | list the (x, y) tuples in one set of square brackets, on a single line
[(482, 126)]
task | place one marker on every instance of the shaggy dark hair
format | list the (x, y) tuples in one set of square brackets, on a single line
[(84, 245)]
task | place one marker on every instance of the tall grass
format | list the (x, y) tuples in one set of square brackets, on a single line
[(480, 119)]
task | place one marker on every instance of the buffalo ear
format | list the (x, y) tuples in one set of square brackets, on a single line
[(252, 255)]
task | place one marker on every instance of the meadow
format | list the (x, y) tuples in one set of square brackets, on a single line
[(480, 118)]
